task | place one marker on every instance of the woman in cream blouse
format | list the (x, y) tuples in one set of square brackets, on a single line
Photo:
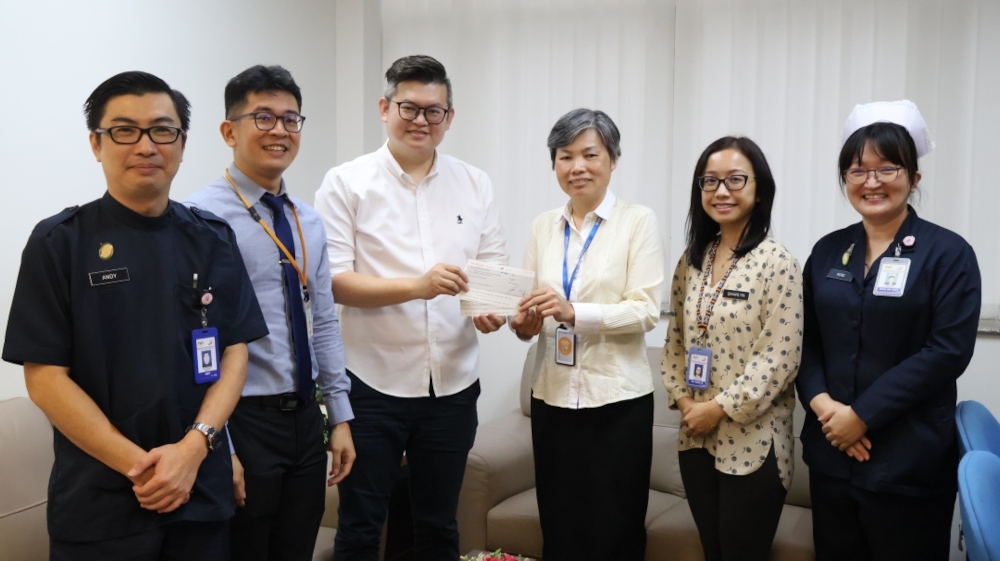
[(599, 272), (736, 318)]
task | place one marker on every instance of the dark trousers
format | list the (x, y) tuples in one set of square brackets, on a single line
[(592, 478), (736, 515), (177, 541), (284, 462), (436, 433), (854, 523)]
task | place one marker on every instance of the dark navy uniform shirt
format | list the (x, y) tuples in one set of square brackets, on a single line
[(121, 318), (893, 360)]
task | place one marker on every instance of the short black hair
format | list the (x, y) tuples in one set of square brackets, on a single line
[(260, 79), (888, 140), (416, 68), (133, 82), (702, 230)]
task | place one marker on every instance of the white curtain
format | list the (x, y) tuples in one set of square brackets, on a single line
[(677, 75)]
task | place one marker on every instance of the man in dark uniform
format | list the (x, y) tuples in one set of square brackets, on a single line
[(115, 302)]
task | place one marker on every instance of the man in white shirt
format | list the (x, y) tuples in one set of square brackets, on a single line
[(401, 223)]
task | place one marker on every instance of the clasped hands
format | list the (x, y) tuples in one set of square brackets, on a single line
[(451, 280), (842, 427), (538, 305), (163, 478), (699, 419)]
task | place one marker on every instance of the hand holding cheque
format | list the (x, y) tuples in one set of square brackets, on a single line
[(494, 289)]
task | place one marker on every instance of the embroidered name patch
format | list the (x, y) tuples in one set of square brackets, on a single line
[(736, 294), (109, 277)]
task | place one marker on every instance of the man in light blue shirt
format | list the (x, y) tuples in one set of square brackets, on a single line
[(276, 429)]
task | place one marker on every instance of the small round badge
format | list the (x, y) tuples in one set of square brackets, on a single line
[(106, 251), (206, 298), (908, 241)]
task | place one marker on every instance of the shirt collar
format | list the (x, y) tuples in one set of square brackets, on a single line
[(397, 171), (249, 188), (603, 210)]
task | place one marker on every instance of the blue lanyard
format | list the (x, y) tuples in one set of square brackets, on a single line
[(567, 279)]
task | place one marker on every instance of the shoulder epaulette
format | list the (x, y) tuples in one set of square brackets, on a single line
[(43, 228)]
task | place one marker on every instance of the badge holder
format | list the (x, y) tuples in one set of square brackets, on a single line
[(699, 367), (205, 344), (892, 273), (565, 346)]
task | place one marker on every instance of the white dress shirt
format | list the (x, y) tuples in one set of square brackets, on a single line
[(615, 296), (381, 223)]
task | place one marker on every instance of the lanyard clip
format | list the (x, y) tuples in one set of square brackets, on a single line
[(899, 248)]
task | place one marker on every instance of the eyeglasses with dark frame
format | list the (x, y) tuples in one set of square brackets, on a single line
[(859, 176), (267, 121), (128, 134), (409, 111), (732, 183)]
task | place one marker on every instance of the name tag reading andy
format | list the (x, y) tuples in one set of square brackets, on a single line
[(205, 351), (699, 367), (891, 279), (109, 277), (736, 294)]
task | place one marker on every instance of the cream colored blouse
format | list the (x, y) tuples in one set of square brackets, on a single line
[(756, 348)]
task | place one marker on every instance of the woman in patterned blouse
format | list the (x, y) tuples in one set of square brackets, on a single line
[(736, 315)]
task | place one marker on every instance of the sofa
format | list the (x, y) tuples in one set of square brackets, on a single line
[(25, 462), (498, 509)]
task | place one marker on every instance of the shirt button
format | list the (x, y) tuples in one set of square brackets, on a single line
[(854, 356)]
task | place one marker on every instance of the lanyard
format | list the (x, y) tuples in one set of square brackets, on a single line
[(288, 255), (567, 279), (703, 321)]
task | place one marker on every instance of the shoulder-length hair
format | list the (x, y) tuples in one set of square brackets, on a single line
[(702, 230)]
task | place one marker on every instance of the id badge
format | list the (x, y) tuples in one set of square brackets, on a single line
[(699, 367), (565, 346), (307, 305), (205, 350), (891, 279)]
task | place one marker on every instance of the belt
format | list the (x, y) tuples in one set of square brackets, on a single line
[(281, 402)]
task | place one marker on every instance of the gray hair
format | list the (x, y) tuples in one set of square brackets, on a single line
[(416, 68), (570, 125)]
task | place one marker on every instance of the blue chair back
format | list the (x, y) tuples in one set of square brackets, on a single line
[(979, 493), (978, 429)]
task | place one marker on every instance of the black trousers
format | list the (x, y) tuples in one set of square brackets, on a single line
[(592, 478), (284, 459), (436, 433), (854, 523), (736, 515), (177, 541)]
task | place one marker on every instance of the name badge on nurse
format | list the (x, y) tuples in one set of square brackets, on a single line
[(205, 351), (699, 367), (565, 346), (891, 279)]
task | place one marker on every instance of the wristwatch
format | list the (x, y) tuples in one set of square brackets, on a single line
[(211, 435)]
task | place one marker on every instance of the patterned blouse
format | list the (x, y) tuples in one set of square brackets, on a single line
[(756, 346)]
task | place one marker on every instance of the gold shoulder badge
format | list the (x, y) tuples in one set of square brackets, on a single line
[(106, 251)]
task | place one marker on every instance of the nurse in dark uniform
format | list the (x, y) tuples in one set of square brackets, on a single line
[(115, 304), (891, 312)]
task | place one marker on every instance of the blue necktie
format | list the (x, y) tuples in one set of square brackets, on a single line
[(300, 335)]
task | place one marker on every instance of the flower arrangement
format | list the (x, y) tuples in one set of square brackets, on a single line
[(494, 556)]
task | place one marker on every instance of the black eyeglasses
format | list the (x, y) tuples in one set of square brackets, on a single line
[(127, 134), (267, 121), (732, 183), (884, 174), (408, 111)]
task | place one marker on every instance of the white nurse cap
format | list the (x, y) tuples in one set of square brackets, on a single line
[(903, 113)]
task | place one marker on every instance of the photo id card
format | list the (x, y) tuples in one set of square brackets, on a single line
[(699, 367), (565, 346), (891, 279), (205, 351)]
